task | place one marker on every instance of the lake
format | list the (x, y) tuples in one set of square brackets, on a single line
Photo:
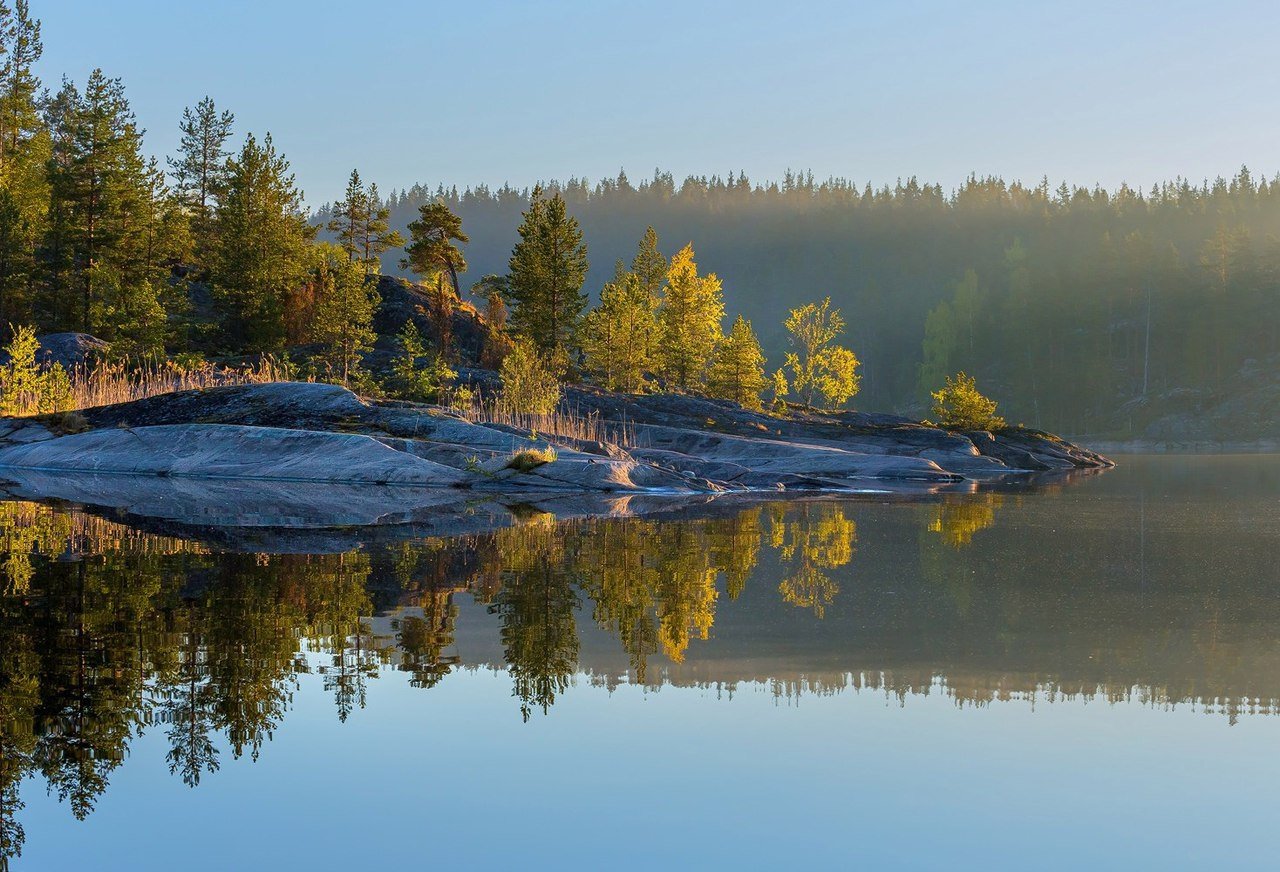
[(1052, 676)]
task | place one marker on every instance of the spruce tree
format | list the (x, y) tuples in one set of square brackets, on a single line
[(649, 265), (737, 372), (547, 269), (689, 321), (262, 236)]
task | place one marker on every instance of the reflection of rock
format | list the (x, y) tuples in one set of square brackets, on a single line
[(292, 432)]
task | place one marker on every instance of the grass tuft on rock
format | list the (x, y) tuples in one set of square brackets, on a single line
[(531, 458)]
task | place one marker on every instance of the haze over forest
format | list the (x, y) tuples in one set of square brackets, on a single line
[(1072, 304)]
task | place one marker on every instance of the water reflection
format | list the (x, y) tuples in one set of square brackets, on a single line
[(106, 632)]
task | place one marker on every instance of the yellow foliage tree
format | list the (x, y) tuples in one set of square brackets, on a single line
[(959, 406), (689, 321)]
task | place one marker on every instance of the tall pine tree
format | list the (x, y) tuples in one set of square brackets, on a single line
[(350, 215), (200, 169), (24, 142), (361, 223)]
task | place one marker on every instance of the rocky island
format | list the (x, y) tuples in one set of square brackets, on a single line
[(312, 455)]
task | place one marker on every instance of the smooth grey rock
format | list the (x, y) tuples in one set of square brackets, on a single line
[(232, 451), (28, 433)]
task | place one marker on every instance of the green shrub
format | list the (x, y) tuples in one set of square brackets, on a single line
[(530, 382), (959, 406)]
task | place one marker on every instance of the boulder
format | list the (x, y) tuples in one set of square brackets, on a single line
[(69, 349)]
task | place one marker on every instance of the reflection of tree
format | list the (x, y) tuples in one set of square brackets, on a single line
[(187, 701), (423, 640), (811, 538), (19, 698), (654, 584), (536, 609), (337, 596), (686, 589), (91, 672), (255, 623), (957, 519), (29, 528), (735, 547), (621, 583)]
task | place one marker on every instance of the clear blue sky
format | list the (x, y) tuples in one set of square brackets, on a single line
[(476, 91)]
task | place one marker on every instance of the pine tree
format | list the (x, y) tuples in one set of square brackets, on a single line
[(344, 312), (431, 253), (413, 378), (689, 321), (261, 246), (547, 269), (351, 216), (56, 254), (737, 372), (127, 312), (619, 337), (200, 170), (101, 196), (24, 143)]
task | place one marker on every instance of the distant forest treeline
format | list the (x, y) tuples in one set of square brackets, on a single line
[(1073, 306)]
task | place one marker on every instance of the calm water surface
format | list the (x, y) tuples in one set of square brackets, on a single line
[(1072, 676)]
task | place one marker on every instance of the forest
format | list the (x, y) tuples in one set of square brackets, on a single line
[(1081, 310), (1077, 307)]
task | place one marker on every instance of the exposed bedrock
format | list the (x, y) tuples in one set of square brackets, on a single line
[(295, 432)]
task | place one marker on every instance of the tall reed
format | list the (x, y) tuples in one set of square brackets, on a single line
[(103, 383)]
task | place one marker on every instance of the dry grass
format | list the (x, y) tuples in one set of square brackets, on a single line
[(106, 383), (531, 458), (564, 423)]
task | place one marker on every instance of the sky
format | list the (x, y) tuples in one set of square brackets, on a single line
[(491, 92)]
